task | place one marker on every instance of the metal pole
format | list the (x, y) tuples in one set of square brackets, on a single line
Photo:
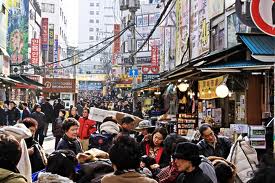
[(134, 48)]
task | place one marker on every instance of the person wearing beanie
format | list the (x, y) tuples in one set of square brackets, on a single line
[(109, 127), (58, 132), (187, 160), (40, 117)]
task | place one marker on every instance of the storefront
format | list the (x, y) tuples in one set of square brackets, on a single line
[(60, 88)]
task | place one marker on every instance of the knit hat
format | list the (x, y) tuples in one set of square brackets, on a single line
[(144, 124), (109, 127), (187, 151)]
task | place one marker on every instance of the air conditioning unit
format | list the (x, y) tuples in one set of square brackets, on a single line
[(16, 69)]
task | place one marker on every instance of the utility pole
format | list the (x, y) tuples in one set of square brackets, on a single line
[(132, 6)]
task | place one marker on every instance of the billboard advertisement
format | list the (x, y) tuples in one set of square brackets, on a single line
[(116, 46), (51, 43), (17, 37)]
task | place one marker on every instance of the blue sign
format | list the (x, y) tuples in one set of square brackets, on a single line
[(133, 73)]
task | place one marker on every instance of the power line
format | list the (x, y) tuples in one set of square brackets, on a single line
[(97, 52), (154, 28), (70, 57)]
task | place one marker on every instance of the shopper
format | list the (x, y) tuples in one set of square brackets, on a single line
[(187, 160), (212, 145), (145, 129), (26, 112), (13, 113), (47, 109), (125, 155), (41, 120), (57, 129), (127, 124), (10, 153), (87, 127), (69, 140), (73, 113)]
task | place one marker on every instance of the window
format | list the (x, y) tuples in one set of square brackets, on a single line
[(91, 29), (97, 21), (92, 12), (92, 21), (60, 12), (97, 13), (97, 29), (97, 38), (91, 38), (97, 4), (48, 8), (92, 4)]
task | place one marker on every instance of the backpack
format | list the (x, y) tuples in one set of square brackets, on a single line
[(100, 141)]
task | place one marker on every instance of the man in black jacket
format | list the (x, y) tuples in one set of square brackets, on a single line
[(212, 145), (47, 109), (13, 113), (41, 120), (187, 160)]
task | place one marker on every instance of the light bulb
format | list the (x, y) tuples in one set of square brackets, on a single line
[(222, 91)]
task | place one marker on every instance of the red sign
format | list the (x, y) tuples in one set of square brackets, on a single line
[(116, 46), (35, 51), (154, 56), (263, 15), (147, 69), (44, 33)]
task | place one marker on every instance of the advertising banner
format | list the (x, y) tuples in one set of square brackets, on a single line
[(199, 34), (207, 88), (90, 86), (154, 56), (34, 51), (51, 43), (116, 46), (44, 34), (149, 77), (17, 37), (58, 85)]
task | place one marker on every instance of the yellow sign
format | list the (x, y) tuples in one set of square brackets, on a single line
[(207, 88), (92, 77), (123, 85)]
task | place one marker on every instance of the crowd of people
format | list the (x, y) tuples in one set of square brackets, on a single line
[(117, 151)]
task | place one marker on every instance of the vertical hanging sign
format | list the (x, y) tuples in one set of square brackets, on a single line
[(51, 43), (44, 34), (116, 46), (34, 51)]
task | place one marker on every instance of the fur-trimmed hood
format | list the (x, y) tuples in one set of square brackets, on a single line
[(46, 177)]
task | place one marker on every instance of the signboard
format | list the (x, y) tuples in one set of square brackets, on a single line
[(154, 56), (58, 85), (133, 73), (149, 77), (34, 51), (116, 46), (263, 15), (150, 69), (90, 86), (51, 43), (44, 34), (18, 30), (56, 51), (207, 88)]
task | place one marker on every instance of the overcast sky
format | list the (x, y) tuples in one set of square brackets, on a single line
[(71, 9)]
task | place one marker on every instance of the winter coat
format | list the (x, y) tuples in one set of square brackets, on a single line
[(208, 169), (162, 158), (56, 109), (94, 171), (38, 158), (40, 118), (13, 115), (244, 157), (46, 177), (70, 144), (57, 127), (130, 177), (26, 113), (7, 176), (196, 176), (222, 148), (79, 109), (21, 132), (87, 127), (47, 109), (3, 117)]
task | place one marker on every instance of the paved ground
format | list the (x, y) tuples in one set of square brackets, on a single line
[(49, 141)]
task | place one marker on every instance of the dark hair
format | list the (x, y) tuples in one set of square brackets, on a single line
[(162, 131), (171, 142), (109, 118), (223, 172), (36, 106), (30, 122), (68, 123), (127, 120), (62, 162), (86, 109), (10, 152), (125, 153), (148, 161), (204, 127), (24, 104), (63, 111)]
